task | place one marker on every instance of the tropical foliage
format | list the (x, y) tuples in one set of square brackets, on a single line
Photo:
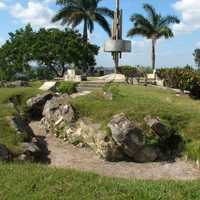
[(181, 78), (74, 12), (51, 50), (153, 27)]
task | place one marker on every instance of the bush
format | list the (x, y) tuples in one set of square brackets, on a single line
[(131, 72), (181, 78), (68, 87)]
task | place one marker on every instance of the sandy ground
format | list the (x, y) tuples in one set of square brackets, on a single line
[(64, 155)]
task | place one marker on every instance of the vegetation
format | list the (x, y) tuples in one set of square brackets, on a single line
[(131, 72), (68, 87), (183, 78), (180, 113), (40, 183), (153, 27), (197, 57), (74, 12), (7, 134), (51, 49)]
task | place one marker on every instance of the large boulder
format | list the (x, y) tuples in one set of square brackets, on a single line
[(35, 105), (21, 127), (126, 134), (91, 135), (158, 127), (5, 154), (148, 153), (58, 114)]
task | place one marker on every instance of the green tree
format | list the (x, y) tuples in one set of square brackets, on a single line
[(74, 12), (152, 27), (57, 50), (196, 55), (16, 53)]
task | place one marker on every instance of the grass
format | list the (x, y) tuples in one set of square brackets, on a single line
[(7, 134), (37, 182), (181, 113)]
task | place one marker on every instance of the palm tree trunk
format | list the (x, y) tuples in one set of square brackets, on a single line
[(153, 54), (85, 31)]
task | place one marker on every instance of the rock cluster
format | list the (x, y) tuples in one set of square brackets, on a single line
[(29, 147), (124, 141)]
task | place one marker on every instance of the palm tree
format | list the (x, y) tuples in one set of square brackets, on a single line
[(74, 12), (152, 27)]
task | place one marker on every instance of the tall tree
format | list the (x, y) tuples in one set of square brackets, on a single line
[(74, 12), (154, 27), (196, 55)]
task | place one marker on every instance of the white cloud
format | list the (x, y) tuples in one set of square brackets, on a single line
[(190, 14), (2, 5), (39, 14)]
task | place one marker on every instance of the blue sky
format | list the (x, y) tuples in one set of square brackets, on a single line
[(174, 52)]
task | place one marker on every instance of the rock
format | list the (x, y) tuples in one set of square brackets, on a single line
[(5, 154), (36, 105), (126, 134), (146, 154), (21, 127), (91, 135), (108, 96), (158, 127), (31, 152), (58, 114)]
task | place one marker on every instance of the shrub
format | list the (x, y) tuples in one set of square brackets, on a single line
[(181, 78), (131, 72), (68, 87)]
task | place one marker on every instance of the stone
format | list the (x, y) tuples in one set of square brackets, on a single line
[(48, 86), (5, 154), (146, 154), (108, 96), (57, 114), (126, 134), (158, 127), (35, 105), (31, 152), (21, 127), (91, 135)]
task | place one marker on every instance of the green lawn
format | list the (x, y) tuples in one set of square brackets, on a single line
[(35, 182), (7, 135), (179, 112)]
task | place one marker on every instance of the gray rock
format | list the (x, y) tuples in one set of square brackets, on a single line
[(126, 134), (58, 114), (31, 152), (5, 154), (36, 105), (21, 127), (146, 154), (158, 127)]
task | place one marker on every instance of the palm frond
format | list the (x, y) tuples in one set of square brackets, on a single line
[(105, 12), (165, 21), (103, 23), (151, 11), (138, 31)]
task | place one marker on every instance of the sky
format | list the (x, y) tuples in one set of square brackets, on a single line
[(177, 51)]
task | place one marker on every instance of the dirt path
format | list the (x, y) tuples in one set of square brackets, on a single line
[(65, 155)]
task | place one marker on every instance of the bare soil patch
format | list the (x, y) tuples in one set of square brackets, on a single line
[(64, 155)]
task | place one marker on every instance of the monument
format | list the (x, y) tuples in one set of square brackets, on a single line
[(116, 45)]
